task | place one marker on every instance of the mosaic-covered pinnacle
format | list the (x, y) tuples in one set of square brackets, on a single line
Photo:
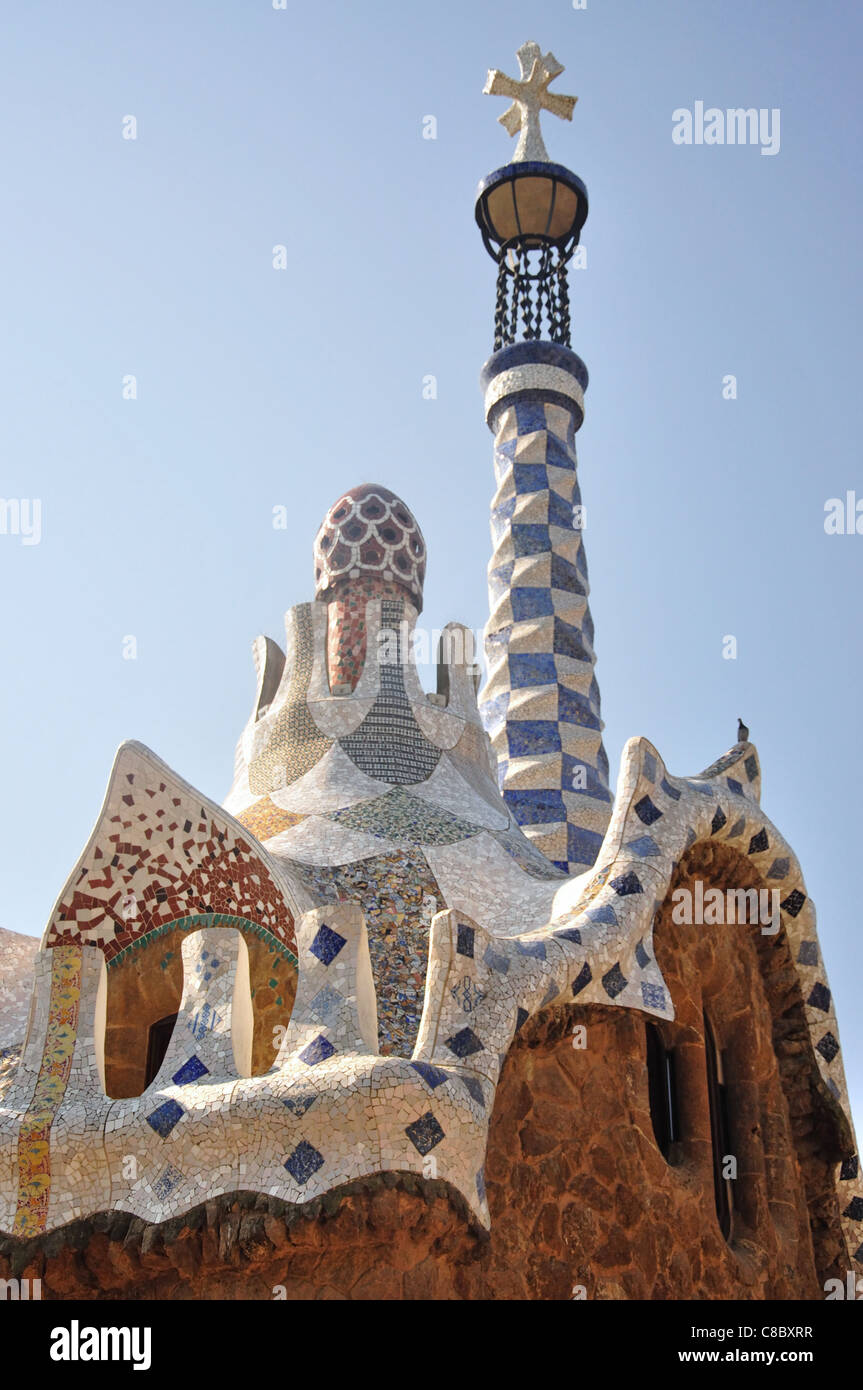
[(370, 532), (530, 96)]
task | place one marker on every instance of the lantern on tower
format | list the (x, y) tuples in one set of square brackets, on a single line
[(531, 211)]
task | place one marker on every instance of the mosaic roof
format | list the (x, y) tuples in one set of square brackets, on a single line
[(370, 531)]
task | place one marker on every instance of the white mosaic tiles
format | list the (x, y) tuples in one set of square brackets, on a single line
[(17, 953), (330, 1109)]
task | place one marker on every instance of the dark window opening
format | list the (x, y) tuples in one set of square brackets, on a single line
[(662, 1090), (157, 1045), (719, 1128)]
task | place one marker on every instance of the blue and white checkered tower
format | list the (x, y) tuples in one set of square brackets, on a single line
[(541, 701)]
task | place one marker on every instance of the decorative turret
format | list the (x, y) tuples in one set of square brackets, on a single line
[(541, 701), (369, 547)]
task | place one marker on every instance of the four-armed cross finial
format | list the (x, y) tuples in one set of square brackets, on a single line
[(529, 97)]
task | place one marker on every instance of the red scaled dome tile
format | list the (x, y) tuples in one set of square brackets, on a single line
[(370, 531)]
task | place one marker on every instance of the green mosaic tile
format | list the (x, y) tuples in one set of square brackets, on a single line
[(399, 816), (204, 919)]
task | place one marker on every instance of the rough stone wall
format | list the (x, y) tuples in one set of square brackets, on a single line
[(579, 1193)]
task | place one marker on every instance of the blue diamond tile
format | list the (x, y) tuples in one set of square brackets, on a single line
[(734, 786), (464, 1043), (163, 1119), (808, 953), (480, 1185), (521, 1018), (646, 811), (534, 949), (751, 766), (645, 847), (779, 868), (828, 1047), (465, 941), (190, 1071), (432, 1076), (604, 916), (700, 788), (719, 819), (737, 828), (304, 1162), (793, 902), (318, 1050), (614, 981), (496, 961), (569, 934), (626, 885), (641, 955), (425, 1133), (759, 843), (854, 1209), (849, 1170), (649, 765), (820, 998), (582, 980), (327, 944), (669, 790), (474, 1089)]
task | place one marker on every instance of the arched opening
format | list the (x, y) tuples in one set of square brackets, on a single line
[(144, 991), (157, 1046), (717, 1096), (662, 1091)]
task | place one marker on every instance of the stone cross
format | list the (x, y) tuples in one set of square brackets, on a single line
[(529, 97)]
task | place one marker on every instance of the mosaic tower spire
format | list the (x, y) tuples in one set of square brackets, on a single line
[(369, 547), (540, 703)]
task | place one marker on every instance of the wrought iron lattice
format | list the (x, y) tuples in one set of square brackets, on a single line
[(532, 295)]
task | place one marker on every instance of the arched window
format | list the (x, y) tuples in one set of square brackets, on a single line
[(157, 1045), (662, 1090), (719, 1128)]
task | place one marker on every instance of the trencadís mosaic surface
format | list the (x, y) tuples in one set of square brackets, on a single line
[(435, 877)]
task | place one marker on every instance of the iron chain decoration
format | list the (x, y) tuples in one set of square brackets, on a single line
[(529, 302)]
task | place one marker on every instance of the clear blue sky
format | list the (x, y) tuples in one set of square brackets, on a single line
[(256, 387)]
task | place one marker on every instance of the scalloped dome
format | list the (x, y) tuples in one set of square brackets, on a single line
[(370, 531)]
